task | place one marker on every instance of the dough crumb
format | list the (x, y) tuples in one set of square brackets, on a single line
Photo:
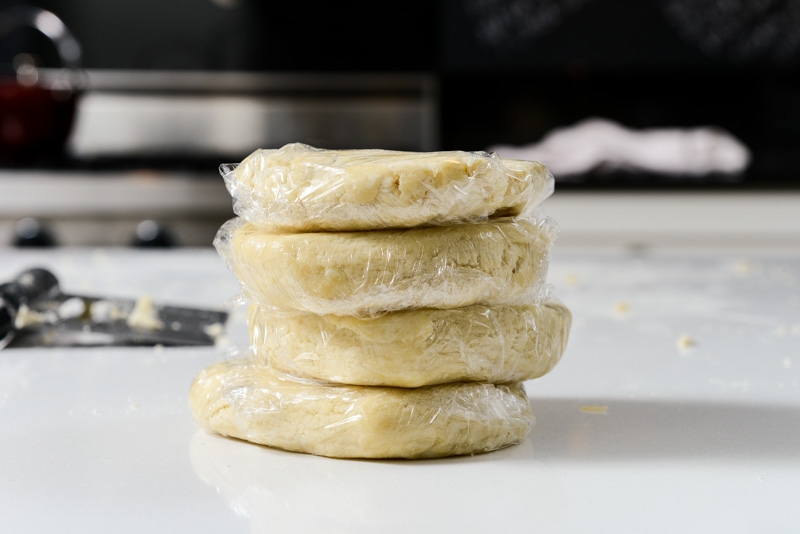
[(214, 330), (622, 308), (786, 362), (685, 343), (71, 308), (744, 267), (223, 341), (780, 331), (144, 315), (572, 279), (603, 410), (28, 317)]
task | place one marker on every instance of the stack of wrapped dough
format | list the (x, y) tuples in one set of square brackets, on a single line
[(397, 302)]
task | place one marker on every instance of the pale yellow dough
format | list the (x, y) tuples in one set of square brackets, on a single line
[(246, 400), (414, 348), (502, 261), (299, 188)]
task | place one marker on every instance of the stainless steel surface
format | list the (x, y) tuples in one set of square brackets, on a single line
[(255, 82), (125, 112)]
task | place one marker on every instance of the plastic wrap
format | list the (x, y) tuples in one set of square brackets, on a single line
[(246, 400), (299, 188), (414, 348), (501, 261)]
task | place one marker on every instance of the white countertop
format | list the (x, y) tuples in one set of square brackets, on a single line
[(633, 433)]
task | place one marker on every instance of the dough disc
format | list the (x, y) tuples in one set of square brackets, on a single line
[(299, 188), (502, 261), (246, 400), (414, 348)]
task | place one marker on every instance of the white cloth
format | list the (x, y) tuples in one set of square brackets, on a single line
[(596, 142)]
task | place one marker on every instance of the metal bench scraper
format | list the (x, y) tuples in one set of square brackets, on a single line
[(34, 311)]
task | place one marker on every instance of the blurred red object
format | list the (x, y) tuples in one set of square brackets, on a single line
[(37, 107)]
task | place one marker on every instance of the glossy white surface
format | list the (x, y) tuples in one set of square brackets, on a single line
[(699, 440)]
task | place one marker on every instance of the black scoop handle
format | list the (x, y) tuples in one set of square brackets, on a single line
[(28, 286)]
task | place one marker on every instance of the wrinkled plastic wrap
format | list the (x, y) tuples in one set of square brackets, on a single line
[(413, 348), (299, 188), (397, 302), (500, 261), (244, 399)]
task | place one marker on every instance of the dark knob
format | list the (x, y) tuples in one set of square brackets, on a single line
[(149, 233), (30, 232)]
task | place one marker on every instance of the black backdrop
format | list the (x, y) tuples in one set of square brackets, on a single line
[(509, 70)]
